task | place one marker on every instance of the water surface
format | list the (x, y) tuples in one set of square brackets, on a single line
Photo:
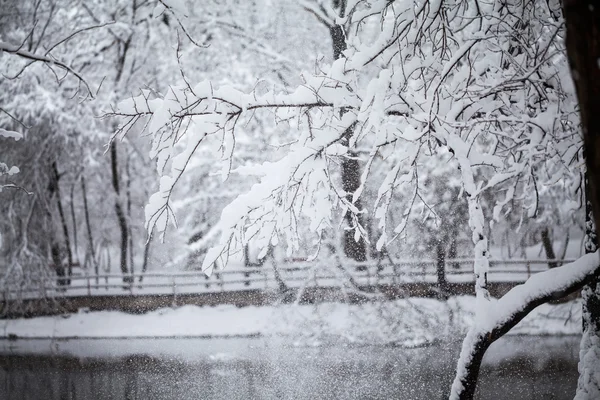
[(261, 368)]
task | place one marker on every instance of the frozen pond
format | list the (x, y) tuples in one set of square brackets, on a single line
[(267, 368)]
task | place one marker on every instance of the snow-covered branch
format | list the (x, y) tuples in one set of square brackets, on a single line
[(34, 57), (441, 96), (504, 313), (5, 170)]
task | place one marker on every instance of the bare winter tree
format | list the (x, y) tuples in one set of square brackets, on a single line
[(37, 238)]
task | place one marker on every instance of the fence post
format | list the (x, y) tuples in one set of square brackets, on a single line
[(528, 269), (220, 276), (88, 285)]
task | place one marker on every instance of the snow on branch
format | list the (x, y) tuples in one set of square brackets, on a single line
[(485, 89), (34, 57), (321, 13), (502, 315), (299, 186), (204, 110), (5, 170), (418, 83), (10, 134), (538, 289)]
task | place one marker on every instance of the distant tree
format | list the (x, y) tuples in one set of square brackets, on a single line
[(35, 227), (109, 43)]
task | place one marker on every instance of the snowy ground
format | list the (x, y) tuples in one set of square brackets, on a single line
[(409, 322)]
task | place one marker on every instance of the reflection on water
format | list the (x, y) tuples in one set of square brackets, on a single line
[(516, 368)]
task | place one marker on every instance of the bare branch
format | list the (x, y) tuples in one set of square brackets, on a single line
[(8, 48)]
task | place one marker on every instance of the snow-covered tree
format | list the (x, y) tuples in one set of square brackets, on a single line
[(484, 84), (31, 46), (428, 108), (48, 47)]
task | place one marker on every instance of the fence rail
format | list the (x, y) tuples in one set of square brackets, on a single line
[(267, 277)]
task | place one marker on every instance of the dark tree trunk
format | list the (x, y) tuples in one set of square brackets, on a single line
[(146, 256), (452, 252), (247, 264), (88, 226), (441, 268), (548, 247), (356, 250), (583, 48), (74, 222), (338, 40), (129, 228), (63, 222), (57, 263), (122, 219)]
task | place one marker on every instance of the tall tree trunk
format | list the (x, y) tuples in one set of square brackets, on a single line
[(441, 268), (356, 250), (130, 230), (548, 247), (565, 246), (476, 342), (88, 226), (588, 385), (452, 252), (63, 222), (353, 249), (583, 47), (74, 222), (146, 257), (57, 263), (122, 219)]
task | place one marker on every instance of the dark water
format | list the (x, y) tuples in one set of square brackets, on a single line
[(165, 369)]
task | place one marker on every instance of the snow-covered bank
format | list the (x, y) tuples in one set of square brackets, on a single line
[(412, 321)]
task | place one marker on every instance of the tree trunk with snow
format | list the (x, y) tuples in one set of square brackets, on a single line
[(354, 249), (589, 365), (477, 340), (583, 47), (503, 314)]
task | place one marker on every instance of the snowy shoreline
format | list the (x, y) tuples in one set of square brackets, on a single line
[(408, 322)]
